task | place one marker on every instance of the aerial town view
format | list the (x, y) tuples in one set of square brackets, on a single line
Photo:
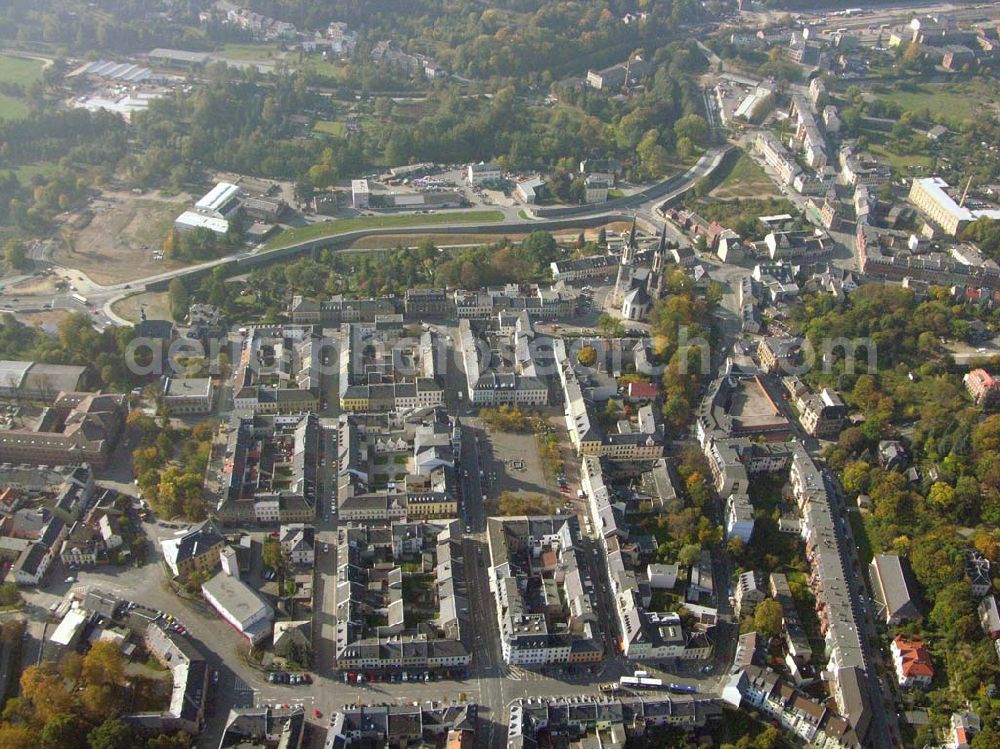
[(518, 374)]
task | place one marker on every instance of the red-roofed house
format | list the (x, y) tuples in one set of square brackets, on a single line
[(964, 727), (913, 663), (981, 386), (642, 391)]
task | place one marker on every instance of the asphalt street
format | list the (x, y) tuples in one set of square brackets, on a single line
[(102, 297)]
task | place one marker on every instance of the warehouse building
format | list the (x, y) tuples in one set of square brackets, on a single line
[(239, 604)]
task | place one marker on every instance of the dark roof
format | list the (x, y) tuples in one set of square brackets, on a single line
[(161, 329), (197, 541)]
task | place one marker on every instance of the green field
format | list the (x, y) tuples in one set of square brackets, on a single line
[(11, 108), (330, 127), (345, 225), (947, 102), (251, 52), (860, 532), (746, 179), (319, 66), (27, 172), (901, 162), (19, 70)]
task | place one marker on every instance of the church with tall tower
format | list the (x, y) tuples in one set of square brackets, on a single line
[(637, 289), (623, 280), (656, 282)]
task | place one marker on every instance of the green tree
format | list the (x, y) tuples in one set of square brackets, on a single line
[(936, 559), (273, 555), (15, 256), (64, 731), (169, 741), (769, 738), (111, 734), (652, 155), (685, 147), (689, 554), (693, 127), (540, 248), (180, 300), (610, 327), (954, 612), (855, 477), (9, 594), (767, 618), (988, 738)]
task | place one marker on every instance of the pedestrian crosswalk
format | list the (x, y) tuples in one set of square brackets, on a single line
[(519, 673)]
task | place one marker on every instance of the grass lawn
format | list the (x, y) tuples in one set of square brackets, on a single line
[(342, 226), (746, 180), (901, 162), (19, 70), (26, 172), (156, 305), (11, 108), (861, 537), (319, 66), (948, 102), (330, 127), (252, 52), (735, 211)]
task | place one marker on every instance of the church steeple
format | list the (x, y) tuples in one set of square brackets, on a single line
[(657, 274), (631, 237)]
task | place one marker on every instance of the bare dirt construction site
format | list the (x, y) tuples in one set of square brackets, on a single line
[(48, 319), (115, 237)]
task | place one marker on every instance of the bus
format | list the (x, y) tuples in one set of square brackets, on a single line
[(640, 682), (81, 299), (683, 689)]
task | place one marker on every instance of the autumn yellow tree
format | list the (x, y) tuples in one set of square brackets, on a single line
[(47, 693), (103, 666), (100, 701), (70, 667), (17, 737)]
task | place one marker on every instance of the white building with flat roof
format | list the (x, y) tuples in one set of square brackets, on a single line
[(360, 193), (930, 195), (190, 220), (239, 605), (482, 172), (223, 200), (527, 191), (213, 210), (67, 634), (188, 395)]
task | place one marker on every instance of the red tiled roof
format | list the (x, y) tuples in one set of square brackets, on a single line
[(916, 659), (642, 389)]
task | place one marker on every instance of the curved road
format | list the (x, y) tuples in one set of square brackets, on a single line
[(102, 298)]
